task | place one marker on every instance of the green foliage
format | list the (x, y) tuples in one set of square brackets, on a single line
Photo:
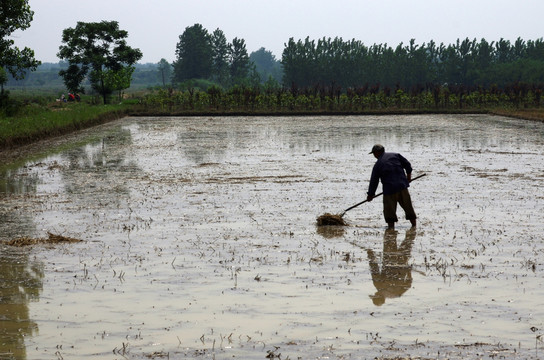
[(335, 62), (3, 79), (15, 15), (99, 50), (196, 84), (165, 71), (355, 100), (45, 76), (118, 80), (266, 65), (201, 55), (220, 57), (239, 61), (8, 107), (33, 121), (73, 77), (194, 54)]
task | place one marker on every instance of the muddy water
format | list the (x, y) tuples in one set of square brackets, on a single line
[(200, 241)]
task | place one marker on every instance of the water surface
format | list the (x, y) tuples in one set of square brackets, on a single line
[(200, 241)]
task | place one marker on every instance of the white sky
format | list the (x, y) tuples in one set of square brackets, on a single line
[(154, 26)]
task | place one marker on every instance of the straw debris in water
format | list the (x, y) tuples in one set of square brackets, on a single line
[(330, 219), (51, 239)]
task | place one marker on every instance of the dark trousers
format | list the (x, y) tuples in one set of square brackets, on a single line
[(390, 206)]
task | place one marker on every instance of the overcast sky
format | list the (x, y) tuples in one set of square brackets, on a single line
[(155, 26)]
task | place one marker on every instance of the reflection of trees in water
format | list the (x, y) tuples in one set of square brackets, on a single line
[(93, 171), (21, 281), (394, 277), (210, 143), (13, 223), (89, 172), (14, 183), (204, 146)]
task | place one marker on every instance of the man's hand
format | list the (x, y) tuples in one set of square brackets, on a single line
[(369, 198), (409, 177)]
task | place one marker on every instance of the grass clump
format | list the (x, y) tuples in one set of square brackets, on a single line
[(51, 239), (330, 219)]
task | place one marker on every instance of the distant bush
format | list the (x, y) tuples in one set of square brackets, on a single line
[(8, 106)]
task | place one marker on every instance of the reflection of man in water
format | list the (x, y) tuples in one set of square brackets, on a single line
[(395, 277)]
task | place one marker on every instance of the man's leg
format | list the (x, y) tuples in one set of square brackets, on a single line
[(390, 210), (405, 202)]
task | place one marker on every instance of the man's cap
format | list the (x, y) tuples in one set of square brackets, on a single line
[(377, 148)]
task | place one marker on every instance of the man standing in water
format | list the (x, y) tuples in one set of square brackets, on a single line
[(395, 173)]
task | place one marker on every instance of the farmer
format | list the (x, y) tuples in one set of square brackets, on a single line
[(395, 173)]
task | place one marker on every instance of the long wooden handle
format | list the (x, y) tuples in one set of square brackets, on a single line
[(362, 202)]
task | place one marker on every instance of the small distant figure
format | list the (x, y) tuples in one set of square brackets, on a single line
[(395, 173), (71, 97), (63, 98), (78, 98)]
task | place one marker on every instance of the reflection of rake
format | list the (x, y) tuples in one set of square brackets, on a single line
[(330, 219)]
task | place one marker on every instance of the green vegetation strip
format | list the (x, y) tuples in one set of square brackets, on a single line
[(36, 122)]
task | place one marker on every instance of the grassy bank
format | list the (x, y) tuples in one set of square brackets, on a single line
[(536, 114), (35, 122)]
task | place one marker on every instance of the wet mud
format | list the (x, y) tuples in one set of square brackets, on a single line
[(199, 240)]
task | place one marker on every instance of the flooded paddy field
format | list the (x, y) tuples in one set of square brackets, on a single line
[(199, 240)]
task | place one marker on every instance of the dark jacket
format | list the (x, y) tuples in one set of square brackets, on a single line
[(391, 169)]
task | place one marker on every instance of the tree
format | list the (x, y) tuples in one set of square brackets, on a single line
[(194, 54), (220, 57), (239, 65), (266, 64), (165, 71), (96, 49), (118, 80), (15, 15), (312, 65), (3, 80)]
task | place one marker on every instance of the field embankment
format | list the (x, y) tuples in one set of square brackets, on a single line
[(35, 122), (535, 114)]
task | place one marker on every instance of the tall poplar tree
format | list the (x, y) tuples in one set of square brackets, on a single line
[(239, 66), (220, 57), (194, 54), (165, 71)]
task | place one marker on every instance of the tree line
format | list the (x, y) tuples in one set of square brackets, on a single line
[(97, 54), (46, 76), (469, 63), (210, 56)]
